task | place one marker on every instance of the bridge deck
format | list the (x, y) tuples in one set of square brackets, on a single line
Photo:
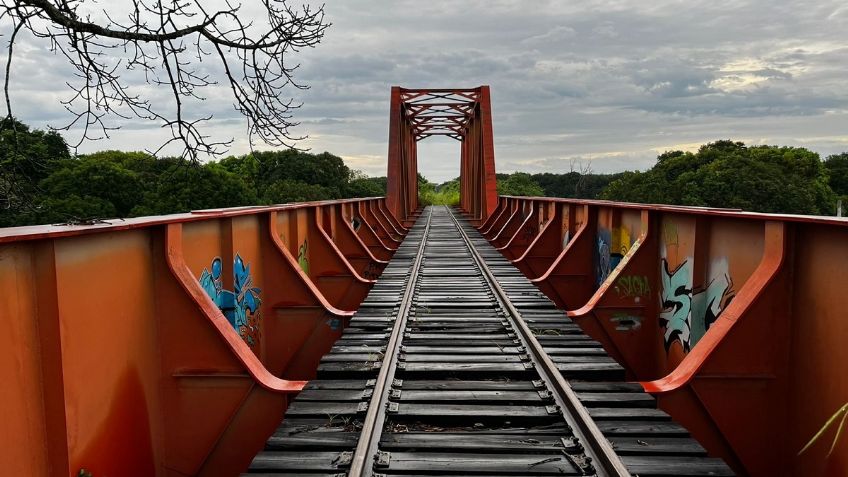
[(447, 369)]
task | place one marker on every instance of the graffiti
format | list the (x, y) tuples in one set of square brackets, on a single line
[(355, 223), (247, 300), (529, 233), (708, 303), (303, 256), (625, 322), (676, 299), (612, 247), (688, 314), (240, 306), (606, 258), (335, 324), (566, 238), (669, 234), (602, 269), (633, 286), (620, 240)]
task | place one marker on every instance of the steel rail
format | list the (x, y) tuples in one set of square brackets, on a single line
[(595, 445), (369, 438)]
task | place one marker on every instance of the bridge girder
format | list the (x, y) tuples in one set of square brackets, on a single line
[(461, 114)]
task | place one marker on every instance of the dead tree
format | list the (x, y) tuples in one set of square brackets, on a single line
[(583, 170), (185, 46)]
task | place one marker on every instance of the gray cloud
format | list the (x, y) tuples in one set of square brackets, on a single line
[(611, 82)]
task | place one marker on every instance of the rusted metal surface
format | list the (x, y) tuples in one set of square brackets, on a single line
[(170, 345), (732, 319)]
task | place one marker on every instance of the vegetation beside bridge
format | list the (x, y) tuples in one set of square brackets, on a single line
[(60, 187)]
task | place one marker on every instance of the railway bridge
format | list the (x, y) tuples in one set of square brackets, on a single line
[(509, 336)]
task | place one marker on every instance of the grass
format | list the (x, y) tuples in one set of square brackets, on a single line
[(432, 197)]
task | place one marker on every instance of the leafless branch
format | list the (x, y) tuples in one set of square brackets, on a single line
[(582, 170), (170, 44)]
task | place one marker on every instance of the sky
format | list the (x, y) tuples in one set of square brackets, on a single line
[(600, 84)]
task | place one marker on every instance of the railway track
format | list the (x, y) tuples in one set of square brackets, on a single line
[(455, 364)]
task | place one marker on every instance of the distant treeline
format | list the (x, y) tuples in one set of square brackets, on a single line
[(727, 174), (42, 182)]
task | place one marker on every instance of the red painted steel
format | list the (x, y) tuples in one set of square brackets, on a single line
[(170, 345), (461, 114), (732, 319)]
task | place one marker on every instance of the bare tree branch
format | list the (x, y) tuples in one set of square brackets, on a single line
[(168, 42)]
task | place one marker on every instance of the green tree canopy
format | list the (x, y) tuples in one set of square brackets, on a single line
[(731, 175), (113, 184), (185, 187), (520, 184), (27, 156), (837, 168)]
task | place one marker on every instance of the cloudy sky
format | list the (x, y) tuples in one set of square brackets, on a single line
[(608, 83)]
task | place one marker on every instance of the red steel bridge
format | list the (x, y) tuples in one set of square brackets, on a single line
[(508, 336)]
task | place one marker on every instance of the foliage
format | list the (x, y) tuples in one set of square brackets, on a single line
[(837, 168), (574, 184), (731, 175), (288, 190), (185, 186), (842, 413), (26, 157), (446, 193), (116, 184), (367, 187), (59, 187), (520, 184)]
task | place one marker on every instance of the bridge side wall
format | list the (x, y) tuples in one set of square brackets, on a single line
[(170, 345), (734, 320)]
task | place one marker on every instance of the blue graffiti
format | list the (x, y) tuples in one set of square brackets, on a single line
[(240, 306), (687, 313), (606, 259), (676, 300), (602, 265), (213, 284)]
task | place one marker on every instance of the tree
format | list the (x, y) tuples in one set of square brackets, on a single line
[(731, 175), (170, 44), (361, 185), (26, 157), (185, 187), (837, 168), (288, 190), (96, 179), (442, 194), (520, 184), (574, 184)]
